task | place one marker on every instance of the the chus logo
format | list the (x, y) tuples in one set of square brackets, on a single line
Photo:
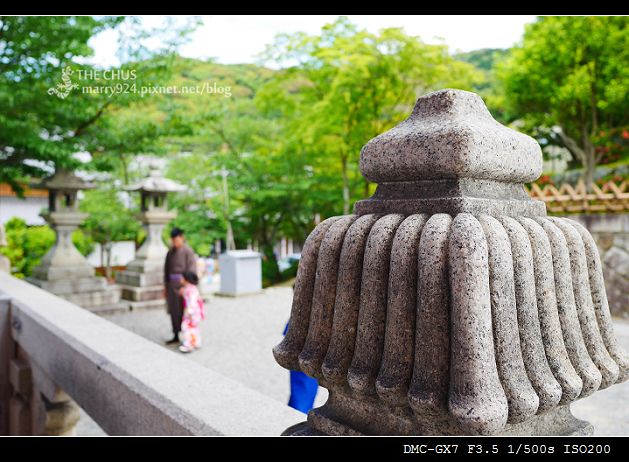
[(121, 81), (63, 89)]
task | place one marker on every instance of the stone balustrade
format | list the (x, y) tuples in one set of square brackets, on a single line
[(57, 357)]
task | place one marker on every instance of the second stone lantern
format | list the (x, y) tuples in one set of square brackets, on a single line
[(142, 281), (448, 303)]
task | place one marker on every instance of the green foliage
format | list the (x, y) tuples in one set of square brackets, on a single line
[(83, 242), (264, 193), (110, 219), (34, 125), (43, 123), (350, 86), (28, 244), (568, 83), (270, 272), (200, 208)]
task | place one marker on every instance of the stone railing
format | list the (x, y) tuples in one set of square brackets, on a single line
[(56, 358)]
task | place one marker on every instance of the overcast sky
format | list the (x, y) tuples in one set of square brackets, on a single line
[(234, 39)]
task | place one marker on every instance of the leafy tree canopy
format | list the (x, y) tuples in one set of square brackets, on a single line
[(53, 105), (568, 82), (347, 86)]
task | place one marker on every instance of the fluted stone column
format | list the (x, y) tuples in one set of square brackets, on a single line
[(448, 303)]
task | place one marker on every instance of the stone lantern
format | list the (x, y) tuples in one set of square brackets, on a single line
[(143, 280), (64, 271), (448, 303)]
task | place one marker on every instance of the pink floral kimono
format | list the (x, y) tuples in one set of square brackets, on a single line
[(193, 314)]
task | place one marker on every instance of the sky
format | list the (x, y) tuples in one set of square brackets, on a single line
[(235, 39)]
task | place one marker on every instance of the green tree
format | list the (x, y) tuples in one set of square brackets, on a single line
[(53, 105), (568, 82), (264, 193), (199, 209), (33, 50), (349, 86), (110, 220)]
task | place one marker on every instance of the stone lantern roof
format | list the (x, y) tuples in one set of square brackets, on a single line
[(153, 189), (155, 182), (65, 180), (63, 201)]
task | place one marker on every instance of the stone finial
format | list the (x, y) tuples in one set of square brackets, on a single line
[(448, 303), (451, 134), (450, 155)]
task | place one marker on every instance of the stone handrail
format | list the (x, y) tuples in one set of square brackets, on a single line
[(127, 384)]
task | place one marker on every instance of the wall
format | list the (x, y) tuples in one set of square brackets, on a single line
[(611, 233), (28, 209)]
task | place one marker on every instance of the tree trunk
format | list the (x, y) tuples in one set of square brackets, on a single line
[(109, 246), (585, 154)]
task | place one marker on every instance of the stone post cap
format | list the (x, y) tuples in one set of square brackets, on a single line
[(451, 134)]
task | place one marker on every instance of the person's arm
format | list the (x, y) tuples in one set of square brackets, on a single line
[(166, 272), (166, 267)]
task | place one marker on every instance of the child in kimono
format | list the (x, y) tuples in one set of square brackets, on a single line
[(193, 313)]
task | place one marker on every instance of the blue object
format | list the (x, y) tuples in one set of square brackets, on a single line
[(303, 389)]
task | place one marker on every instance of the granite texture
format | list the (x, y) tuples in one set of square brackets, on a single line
[(451, 134), (550, 324), (448, 304), (521, 396)]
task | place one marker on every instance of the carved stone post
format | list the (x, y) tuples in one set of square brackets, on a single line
[(449, 303)]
